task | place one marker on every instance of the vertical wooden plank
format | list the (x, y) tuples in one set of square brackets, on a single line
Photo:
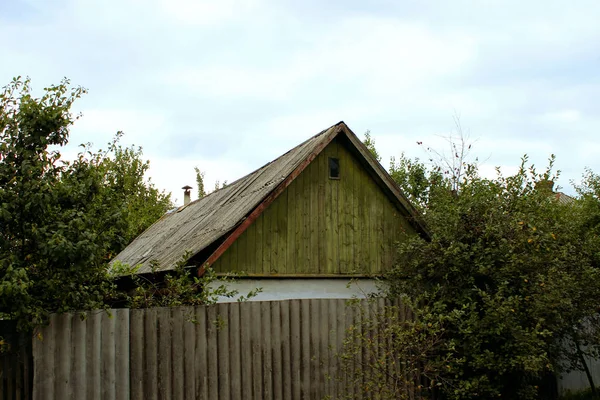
[(315, 356), (385, 244), (234, 256), (256, 340), (343, 322), (296, 350), (43, 367), (350, 195), (78, 342), (321, 181), (269, 238), (28, 370), (235, 373), (62, 357), (265, 345), (122, 354), (223, 328), (19, 371), (243, 251), (246, 348), (108, 355), (296, 225), (380, 240), (271, 221), (356, 243), (93, 355), (368, 201), (260, 239), (313, 217), (308, 257), (212, 359), (324, 349), (189, 353), (275, 229), (201, 355), (363, 257), (177, 353), (343, 210), (276, 351), (151, 352), (5, 363), (330, 348), (292, 238), (164, 353), (357, 321), (336, 212), (286, 359), (328, 216), (136, 358), (305, 326), (282, 233), (248, 263), (295, 209)]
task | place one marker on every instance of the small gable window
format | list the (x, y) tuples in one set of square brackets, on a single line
[(334, 168)]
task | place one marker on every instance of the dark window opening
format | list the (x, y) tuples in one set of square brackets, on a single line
[(334, 168)]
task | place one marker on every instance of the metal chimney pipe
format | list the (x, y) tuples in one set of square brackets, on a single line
[(187, 198)]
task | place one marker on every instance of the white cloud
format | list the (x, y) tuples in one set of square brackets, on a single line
[(207, 12), (229, 85)]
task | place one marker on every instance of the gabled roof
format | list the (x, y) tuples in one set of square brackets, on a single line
[(221, 216)]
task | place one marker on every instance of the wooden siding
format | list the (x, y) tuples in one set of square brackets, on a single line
[(320, 225)]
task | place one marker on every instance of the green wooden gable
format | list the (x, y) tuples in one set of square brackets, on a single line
[(322, 225), (324, 208)]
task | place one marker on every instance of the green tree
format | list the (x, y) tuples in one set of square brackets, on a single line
[(370, 143), (510, 263), (122, 173), (509, 279), (61, 221), (200, 182), (51, 246)]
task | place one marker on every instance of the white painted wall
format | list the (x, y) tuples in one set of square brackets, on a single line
[(292, 288)]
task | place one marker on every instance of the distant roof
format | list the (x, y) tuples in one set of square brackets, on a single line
[(194, 227), (563, 198)]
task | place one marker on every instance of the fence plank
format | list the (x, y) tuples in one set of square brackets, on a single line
[(276, 351), (107, 355), (93, 359), (177, 350), (255, 337), (122, 354), (136, 354), (223, 327), (78, 339), (164, 353), (305, 348), (246, 348), (212, 365), (267, 361), (235, 372), (189, 353), (201, 354), (150, 379), (295, 352)]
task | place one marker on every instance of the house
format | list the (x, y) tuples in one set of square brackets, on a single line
[(324, 210)]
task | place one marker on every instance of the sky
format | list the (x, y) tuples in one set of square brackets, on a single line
[(229, 85)]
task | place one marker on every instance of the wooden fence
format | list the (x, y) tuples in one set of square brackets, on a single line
[(253, 350), (16, 364)]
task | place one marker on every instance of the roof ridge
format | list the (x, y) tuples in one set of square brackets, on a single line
[(259, 168)]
